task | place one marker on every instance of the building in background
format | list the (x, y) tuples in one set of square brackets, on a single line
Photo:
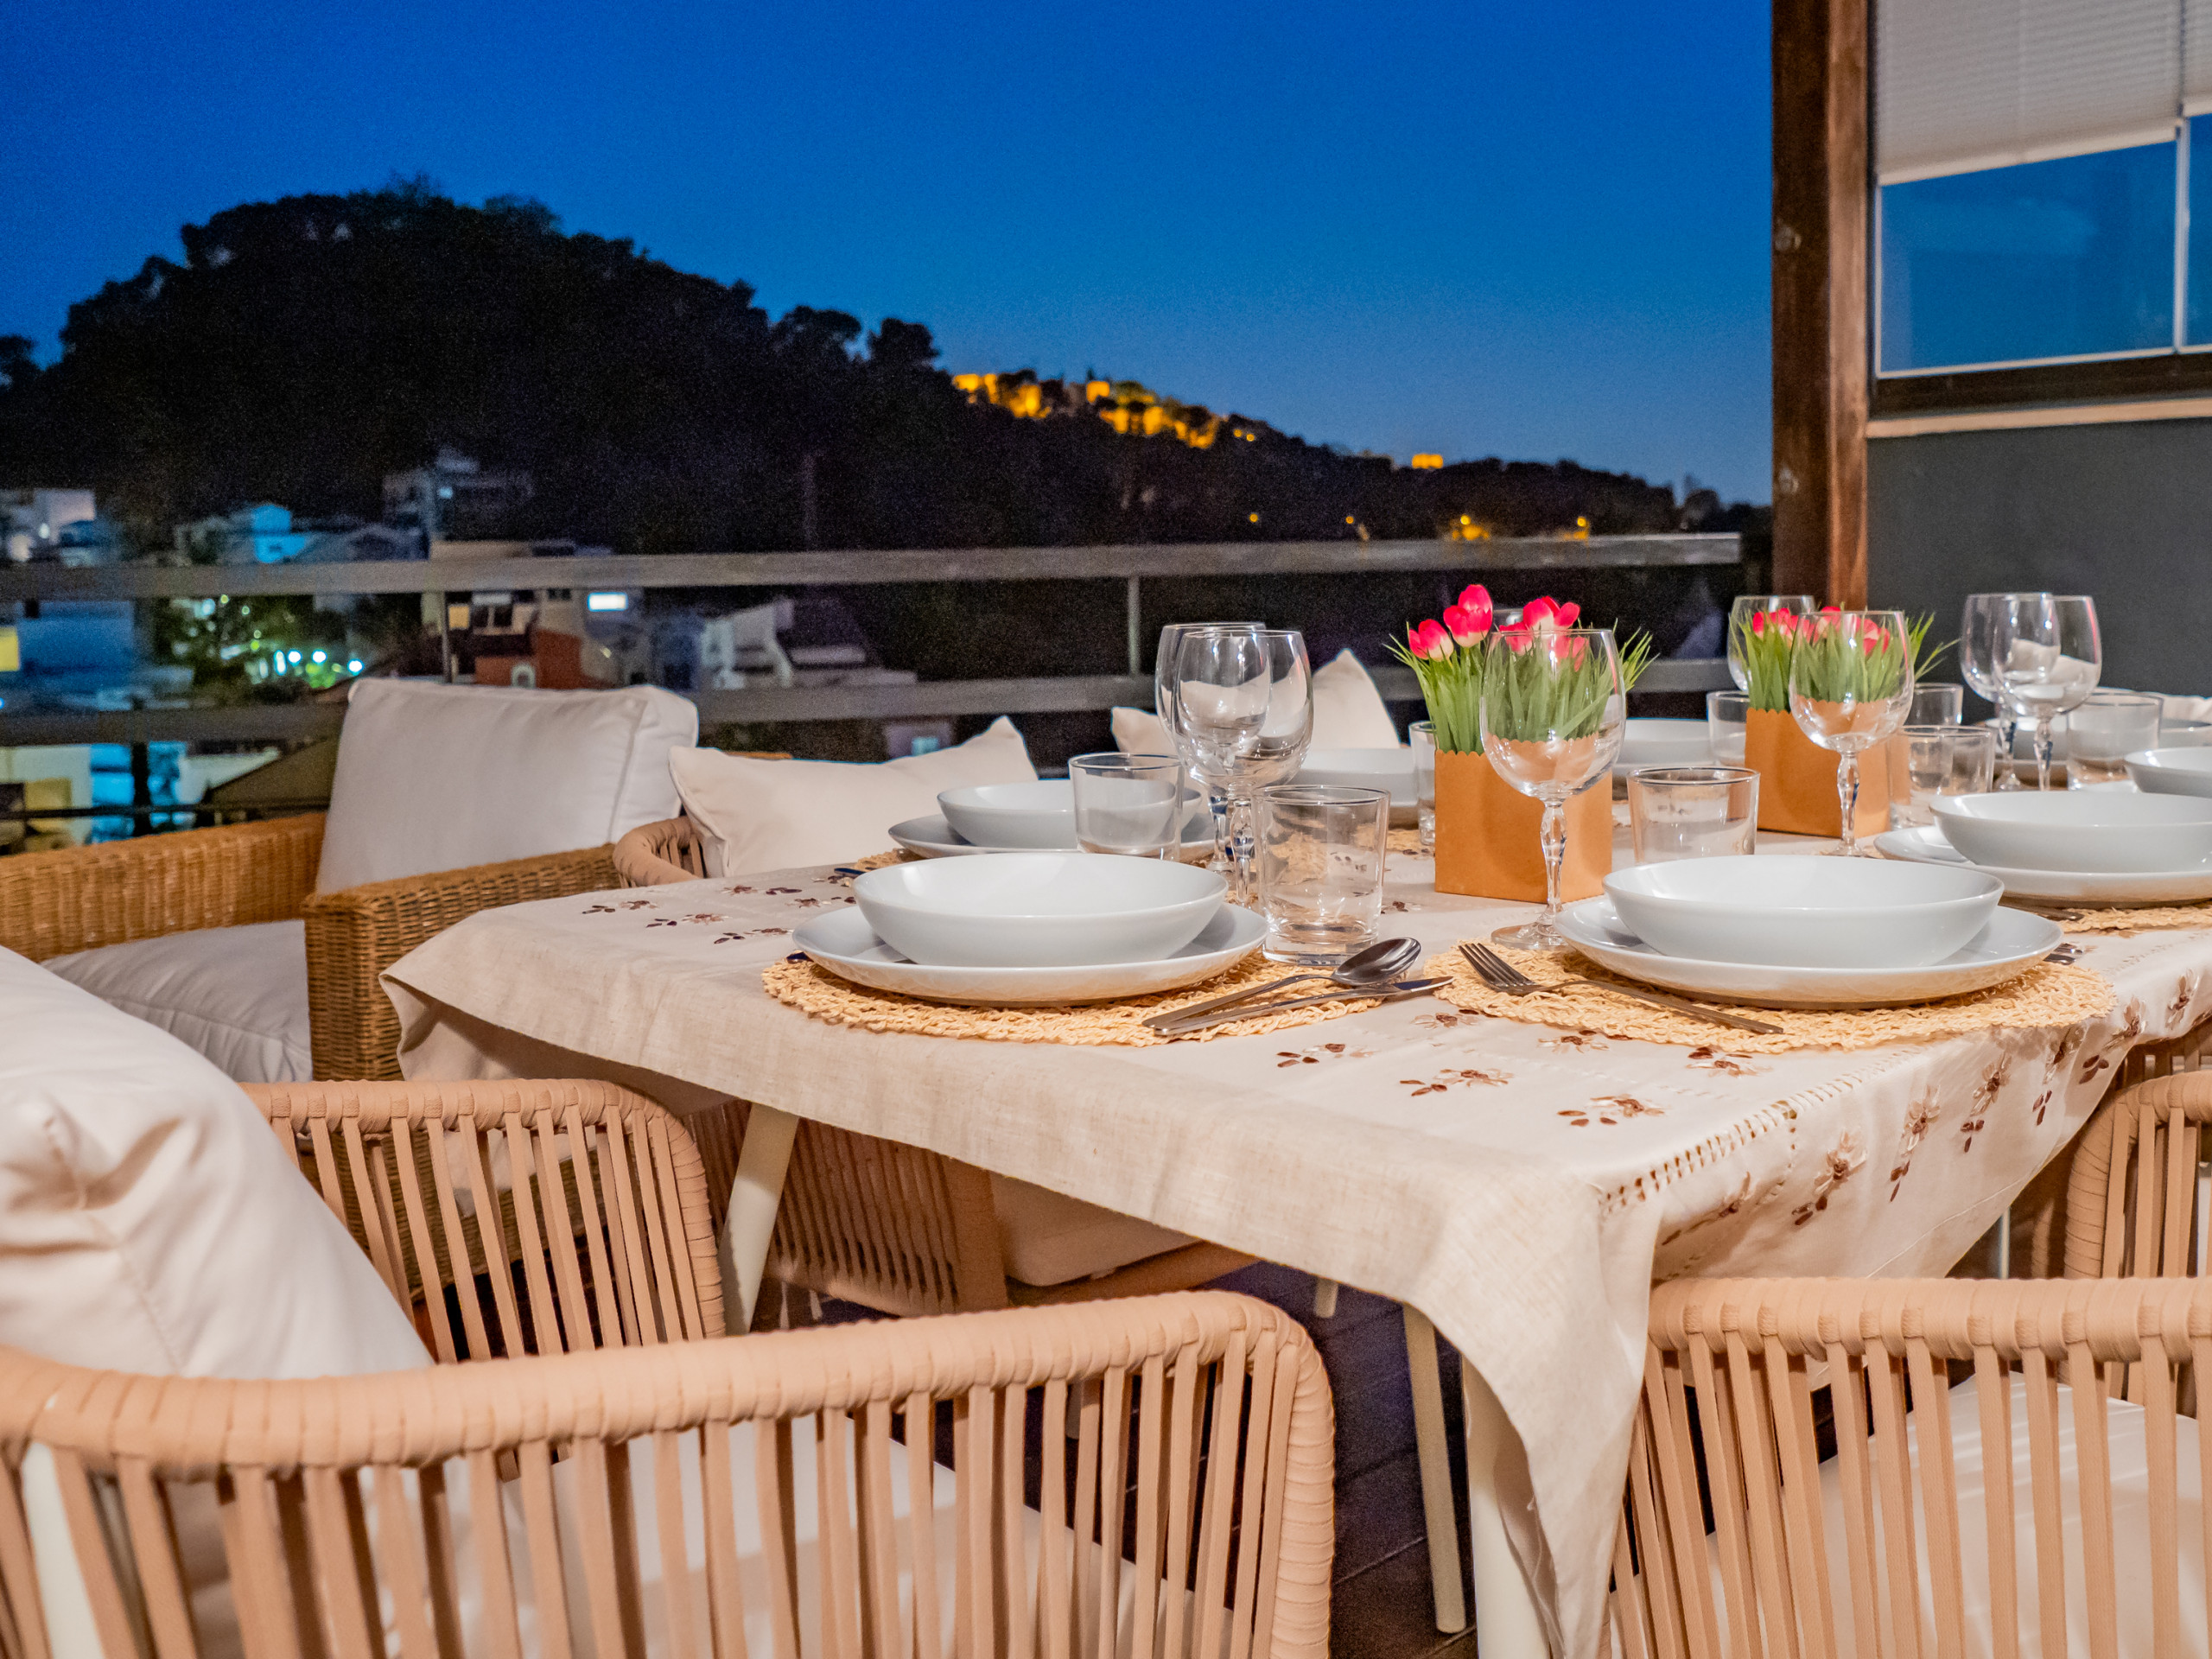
[(34, 522), (454, 498)]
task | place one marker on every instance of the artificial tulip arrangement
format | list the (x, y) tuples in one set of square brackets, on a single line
[(1775, 635), (1446, 658)]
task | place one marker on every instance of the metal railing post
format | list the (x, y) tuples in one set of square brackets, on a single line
[(1136, 629)]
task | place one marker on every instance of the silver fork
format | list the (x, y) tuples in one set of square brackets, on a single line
[(1503, 977)]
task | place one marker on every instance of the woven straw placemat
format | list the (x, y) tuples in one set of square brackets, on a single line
[(1402, 841), (2136, 921), (815, 990), (2047, 994)]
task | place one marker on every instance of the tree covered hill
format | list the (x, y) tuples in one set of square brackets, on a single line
[(308, 346)]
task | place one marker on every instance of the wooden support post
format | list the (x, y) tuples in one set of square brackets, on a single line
[(1822, 219)]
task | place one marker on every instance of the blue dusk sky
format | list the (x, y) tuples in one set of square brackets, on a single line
[(1481, 228)]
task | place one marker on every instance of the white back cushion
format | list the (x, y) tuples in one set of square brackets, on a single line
[(236, 995), (149, 1220), (776, 815), (1348, 711), (1138, 731), (442, 776)]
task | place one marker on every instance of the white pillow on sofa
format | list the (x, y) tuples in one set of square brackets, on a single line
[(778, 815), (236, 995), (433, 777), (149, 1220), (1348, 713)]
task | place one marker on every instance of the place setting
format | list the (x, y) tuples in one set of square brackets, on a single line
[(1144, 898)]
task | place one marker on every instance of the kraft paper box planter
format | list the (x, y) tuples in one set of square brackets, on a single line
[(1798, 779), (1487, 831)]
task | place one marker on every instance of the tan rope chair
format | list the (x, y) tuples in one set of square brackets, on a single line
[(1188, 1514), (2131, 1204), (612, 1249), (2083, 1531), (654, 854), (83, 898)]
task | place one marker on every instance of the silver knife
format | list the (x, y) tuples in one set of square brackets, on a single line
[(1390, 994)]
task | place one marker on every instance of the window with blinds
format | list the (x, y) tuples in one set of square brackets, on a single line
[(2035, 193)]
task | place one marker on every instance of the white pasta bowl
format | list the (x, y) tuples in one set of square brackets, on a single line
[(1388, 769), (1805, 913), (1038, 910), (2170, 771), (2185, 733), (1039, 815), (2094, 830)]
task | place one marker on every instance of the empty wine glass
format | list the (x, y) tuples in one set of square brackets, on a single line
[(1739, 626), (1553, 709), (1850, 684), (2048, 657), (1978, 626), (1223, 688), (1163, 704)]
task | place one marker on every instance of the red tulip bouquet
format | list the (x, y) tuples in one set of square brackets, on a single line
[(1446, 658)]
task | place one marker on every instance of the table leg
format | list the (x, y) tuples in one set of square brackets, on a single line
[(754, 1197), (1437, 1512), (1506, 1622), (1325, 1299)]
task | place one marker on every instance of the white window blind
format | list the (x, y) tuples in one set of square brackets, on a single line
[(2196, 57), (1964, 85)]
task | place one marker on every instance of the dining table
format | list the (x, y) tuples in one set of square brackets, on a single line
[(1521, 1186)]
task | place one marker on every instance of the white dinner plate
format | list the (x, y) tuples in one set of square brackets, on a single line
[(2012, 942), (932, 837), (843, 943), (1926, 845)]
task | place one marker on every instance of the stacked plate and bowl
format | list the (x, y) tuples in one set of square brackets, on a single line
[(2095, 848), (1038, 818)]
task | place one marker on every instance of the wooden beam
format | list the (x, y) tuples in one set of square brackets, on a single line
[(1823, 221)]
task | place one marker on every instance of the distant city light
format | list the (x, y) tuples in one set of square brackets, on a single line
[(1252, 518), (607, 602), (1426, 463), (320, 657), (352, 665), (292, 656)]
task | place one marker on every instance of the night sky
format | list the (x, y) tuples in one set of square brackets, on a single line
[(1481, 228)]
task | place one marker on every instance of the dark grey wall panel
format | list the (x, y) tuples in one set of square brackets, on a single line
[(2123, 512)]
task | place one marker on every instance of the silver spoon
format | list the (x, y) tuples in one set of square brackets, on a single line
[(1382, 961)]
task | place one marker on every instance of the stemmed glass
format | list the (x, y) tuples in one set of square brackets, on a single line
[(1553, 709), (1739, 626), (1850, 685), (2048, 657), (1243, 702), (1164, 671), (1977, 656)]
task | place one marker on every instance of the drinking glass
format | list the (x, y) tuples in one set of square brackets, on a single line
[(1128, 804), (1936, 704), (1423, 735), (1925, 774), (1727, 721), (1739, 626), (1163, 703), (1850, 683), (1320, 868), (1692, 812), (1978, 663), (1973, 760), (1553, 708), (1243, 702), (2104, 731), (2047, 657)]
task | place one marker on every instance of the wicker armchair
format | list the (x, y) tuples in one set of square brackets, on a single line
[(1908, 1538), (83, 898), (613, 1249), (1181, 1448)]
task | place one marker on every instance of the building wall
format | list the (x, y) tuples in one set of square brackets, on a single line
[(2122, 512)]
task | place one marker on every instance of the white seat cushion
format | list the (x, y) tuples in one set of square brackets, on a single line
[(236, 995), (149, 1220), (1348, 713), (1047, 1238), (2131, 1530), (777, 815), (442, 776)]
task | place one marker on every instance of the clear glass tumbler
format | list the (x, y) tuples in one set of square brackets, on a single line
[(1727, 719), (1692, 812), (1423, 735), (1320, 869), (1936, 704), (1924, 775), (1973, 760), (1128, 804), (2104, 731)]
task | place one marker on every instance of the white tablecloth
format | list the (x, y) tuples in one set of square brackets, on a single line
[(1520, 1185)]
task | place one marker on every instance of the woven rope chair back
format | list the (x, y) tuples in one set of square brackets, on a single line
[(603, 1235), (1795, 1488), (1145, 1477), (2135, 1202)]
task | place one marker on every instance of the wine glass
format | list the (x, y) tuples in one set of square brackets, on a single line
[(1220, 692), (1978, 664), (1553, 709), (2047, 657), (1163, 703), (1739, 626), (1850, 684)]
